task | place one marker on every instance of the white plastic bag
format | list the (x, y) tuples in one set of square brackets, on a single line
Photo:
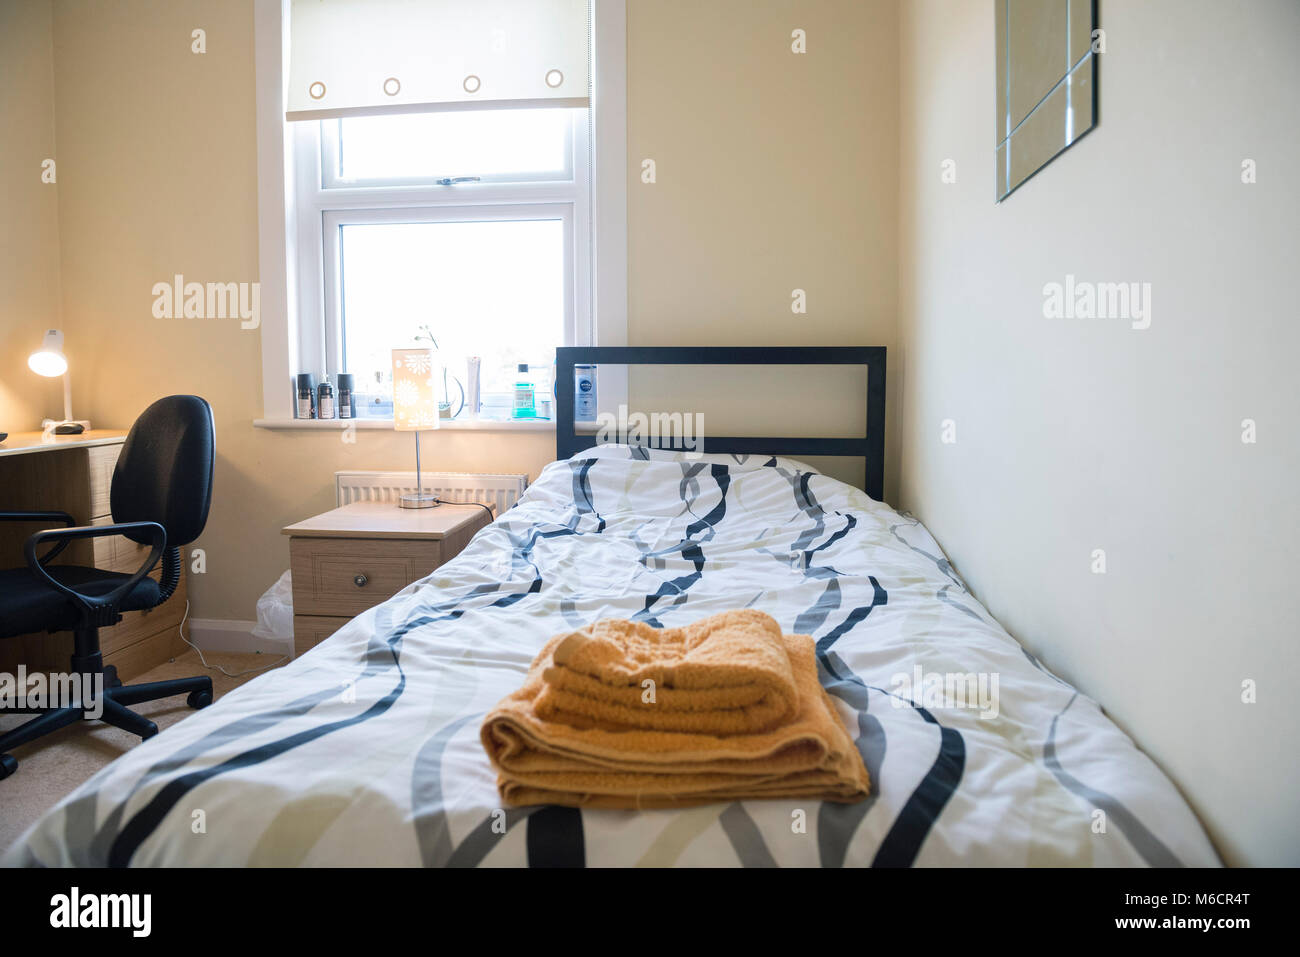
[(275, 612)]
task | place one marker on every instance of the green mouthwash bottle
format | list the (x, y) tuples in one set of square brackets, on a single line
[(525, 395)]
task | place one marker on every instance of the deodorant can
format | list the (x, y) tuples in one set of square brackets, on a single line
[(306, 396), (584, 393), (325, 400)]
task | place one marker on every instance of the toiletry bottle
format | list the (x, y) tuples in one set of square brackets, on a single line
[(525, 395), (347, 410), (473, 392), (325, 400), (584, 393), (306, 396)]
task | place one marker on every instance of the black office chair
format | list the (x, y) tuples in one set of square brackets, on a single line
[(161, 491)]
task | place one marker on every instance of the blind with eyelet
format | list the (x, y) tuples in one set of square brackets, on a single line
[(371, 57)]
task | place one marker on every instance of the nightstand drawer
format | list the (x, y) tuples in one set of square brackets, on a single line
[(345, 576), (310, 630), (358, 555)]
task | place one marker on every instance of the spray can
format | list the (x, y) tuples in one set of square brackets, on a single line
[(346, 402), (306, 396), (325, 400)]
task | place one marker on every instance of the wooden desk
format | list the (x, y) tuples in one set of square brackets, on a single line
[(27, 443), (73, 474)]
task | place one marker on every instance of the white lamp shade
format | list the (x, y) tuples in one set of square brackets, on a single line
[(415, 390), (49, 361)]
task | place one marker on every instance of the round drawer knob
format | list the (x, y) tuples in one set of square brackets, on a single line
[(360, 581)]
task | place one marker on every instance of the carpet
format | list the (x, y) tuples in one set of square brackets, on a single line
[(53, 766)]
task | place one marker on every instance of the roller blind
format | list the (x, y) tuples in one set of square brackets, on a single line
[(368, 57)]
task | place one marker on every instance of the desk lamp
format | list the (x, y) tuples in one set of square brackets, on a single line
[(49, 361)]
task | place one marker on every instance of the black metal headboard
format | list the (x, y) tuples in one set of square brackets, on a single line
[(871, 446)]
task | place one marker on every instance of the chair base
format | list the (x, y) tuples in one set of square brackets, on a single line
[(116, 698)]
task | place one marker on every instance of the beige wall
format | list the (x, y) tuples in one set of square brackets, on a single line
[(29, 227), (776, 172), (1074, 435), (157, 156)]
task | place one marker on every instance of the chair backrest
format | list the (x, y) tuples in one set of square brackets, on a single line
[(164, 473)]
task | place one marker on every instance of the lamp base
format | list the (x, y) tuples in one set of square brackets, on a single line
[(66, 427), (417, 501)]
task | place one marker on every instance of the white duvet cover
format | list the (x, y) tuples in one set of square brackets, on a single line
[(366, 752)]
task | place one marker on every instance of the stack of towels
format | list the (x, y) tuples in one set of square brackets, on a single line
[(623, 715)]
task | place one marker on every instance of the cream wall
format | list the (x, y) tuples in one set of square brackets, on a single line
[(29, 226), (775, 171), (157, 162), (772, 156), (1074, 435)]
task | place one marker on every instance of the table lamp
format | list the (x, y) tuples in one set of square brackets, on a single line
[(49, 361), (415, 407)]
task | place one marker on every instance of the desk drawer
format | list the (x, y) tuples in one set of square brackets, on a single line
[(326, 572), (101, 459), (116, 553)]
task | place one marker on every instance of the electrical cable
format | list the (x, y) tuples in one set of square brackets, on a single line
[(486, 508), (237, 674)]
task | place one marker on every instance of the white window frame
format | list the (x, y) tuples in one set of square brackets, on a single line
[(291, 229), (578, 126), (323, 209), (575, 329)]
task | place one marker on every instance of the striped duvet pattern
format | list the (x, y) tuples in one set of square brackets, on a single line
[(365, 751)]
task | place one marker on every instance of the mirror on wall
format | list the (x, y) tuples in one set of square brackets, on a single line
[(1046, 83)]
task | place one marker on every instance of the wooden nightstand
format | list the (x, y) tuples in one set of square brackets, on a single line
[(352, 558)]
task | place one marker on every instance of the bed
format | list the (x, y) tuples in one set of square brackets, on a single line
[(365, 751)]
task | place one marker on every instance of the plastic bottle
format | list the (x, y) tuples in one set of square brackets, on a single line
[(525, 395)]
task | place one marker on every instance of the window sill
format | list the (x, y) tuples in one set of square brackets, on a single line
[(459, 425)]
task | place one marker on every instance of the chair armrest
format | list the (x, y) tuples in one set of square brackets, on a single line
[(44, 516), (101, 609)]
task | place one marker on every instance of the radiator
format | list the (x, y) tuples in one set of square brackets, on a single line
[(499, 491)]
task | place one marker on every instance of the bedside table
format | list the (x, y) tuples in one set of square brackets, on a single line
[(354, 557)]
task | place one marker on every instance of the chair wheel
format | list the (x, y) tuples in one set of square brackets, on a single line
[(199, 699), (8, 765), (111, 680), (150, 730)]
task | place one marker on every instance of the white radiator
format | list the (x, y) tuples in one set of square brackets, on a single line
[(499, 491)]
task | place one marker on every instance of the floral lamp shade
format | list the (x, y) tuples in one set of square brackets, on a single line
[(415, 393)]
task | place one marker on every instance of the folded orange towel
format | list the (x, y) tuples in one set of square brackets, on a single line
[(607, 764), (726, 674)]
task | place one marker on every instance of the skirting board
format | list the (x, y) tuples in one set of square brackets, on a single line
[(216, 634)]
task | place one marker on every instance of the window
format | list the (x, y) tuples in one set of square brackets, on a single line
[(509, 146), (443, 195), (473, 224)]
